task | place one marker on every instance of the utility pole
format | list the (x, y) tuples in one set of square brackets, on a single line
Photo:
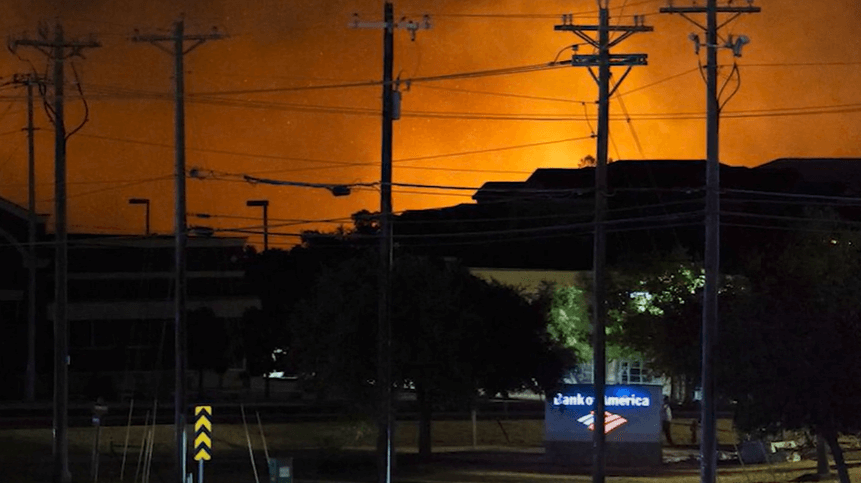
[(391, 106), (58, 50), (265, 205), (145, 202), (30, 80), (708, 444), (603, 60), (177, 39)]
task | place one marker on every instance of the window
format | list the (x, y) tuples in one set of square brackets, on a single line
[(631, 372)]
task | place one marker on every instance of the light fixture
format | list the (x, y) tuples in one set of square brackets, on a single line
[(737, 44), (696, 40)]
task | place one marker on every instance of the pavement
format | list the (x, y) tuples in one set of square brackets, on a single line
[(448, 464)]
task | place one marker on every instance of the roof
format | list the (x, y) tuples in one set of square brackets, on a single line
[(545, 221), (834, 176)]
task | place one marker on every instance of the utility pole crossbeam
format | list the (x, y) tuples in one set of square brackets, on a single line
[(31, 80), (58, 50), (603, 60), (178, 38), (708, 443), (391, 106)]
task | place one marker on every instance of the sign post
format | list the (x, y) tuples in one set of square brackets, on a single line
[(99, 410), (202, 437)]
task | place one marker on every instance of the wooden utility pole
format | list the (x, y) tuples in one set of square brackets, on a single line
[(603, 60), (391, 98), (177, 39), (708, 444), (30, 80), (31, 246), (58, 50)]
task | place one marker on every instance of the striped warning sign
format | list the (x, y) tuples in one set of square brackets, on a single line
[(203, 433)]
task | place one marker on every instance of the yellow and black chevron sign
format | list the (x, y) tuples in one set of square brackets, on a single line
[(203, 433)]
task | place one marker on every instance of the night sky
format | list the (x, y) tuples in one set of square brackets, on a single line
[(798, 97)]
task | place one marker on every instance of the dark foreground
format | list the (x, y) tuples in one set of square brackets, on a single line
[(342, 453)]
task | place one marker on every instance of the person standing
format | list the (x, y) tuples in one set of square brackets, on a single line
[(666, 420)]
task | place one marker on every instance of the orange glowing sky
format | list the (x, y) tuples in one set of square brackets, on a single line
[(798, 97)]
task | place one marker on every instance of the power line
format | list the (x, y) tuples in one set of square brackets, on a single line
[(661, 81), (540, 117), (803, 64), (503, 94), (535, 16), (116, 92), (473, 221), (115, 187), (850, 200), (517, 117), (435, 78), (492, 150), (83, 182), (363, 163)]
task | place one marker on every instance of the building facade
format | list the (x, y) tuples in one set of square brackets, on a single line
[(121, 312)]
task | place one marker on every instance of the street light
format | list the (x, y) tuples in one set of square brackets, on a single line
[(142, 201), (265, 205)]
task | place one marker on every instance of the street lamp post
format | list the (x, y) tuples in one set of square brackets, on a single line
[(265, 205), (142, 201)]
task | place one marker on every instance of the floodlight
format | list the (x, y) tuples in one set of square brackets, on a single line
[(740, 42), (696, 40)]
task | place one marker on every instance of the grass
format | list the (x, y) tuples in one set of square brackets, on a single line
[(506, 451)]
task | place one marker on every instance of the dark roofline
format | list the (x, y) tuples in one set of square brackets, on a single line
[(153, 241), (13, 208)]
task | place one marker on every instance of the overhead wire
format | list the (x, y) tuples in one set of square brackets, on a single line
[(528, 16), (616, 225), (333, 162), (491, 150), (544, 117), (534, 117), (735, 91), (86, 117), (500, 94), (430, 78), (117, 92), (113, 187), (586, 216)]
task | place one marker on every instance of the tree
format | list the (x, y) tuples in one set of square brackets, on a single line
[(655, 311), (455, 337), (281, 279), (653, 308), (791, 345), (789, 337), (568, 316), (589, 161), (263, 343), (208, 343)]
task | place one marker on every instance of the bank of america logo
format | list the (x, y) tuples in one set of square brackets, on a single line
[(611, 421)]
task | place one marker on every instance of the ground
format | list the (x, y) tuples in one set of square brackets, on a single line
[(506, 451)]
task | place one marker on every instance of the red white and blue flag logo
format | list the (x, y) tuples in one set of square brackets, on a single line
[(611, 421)]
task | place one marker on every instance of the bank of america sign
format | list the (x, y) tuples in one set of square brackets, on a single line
[(611, 421)]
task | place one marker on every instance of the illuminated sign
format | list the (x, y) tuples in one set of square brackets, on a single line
[(633, 414), (611, 421), (580, 400)]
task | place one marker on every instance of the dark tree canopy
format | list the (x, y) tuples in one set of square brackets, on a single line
[(208, 343), (791, 340), (281, 279), (455, 337), (788, 351)]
